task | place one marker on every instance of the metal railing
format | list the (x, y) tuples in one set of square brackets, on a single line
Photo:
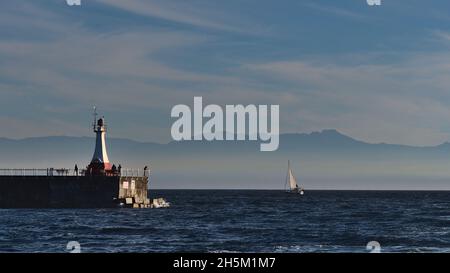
[(134, 172), (128, 172), (35, 172)]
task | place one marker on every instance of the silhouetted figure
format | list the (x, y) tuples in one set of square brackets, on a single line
[(119, 169), (76, 169), (114, 169)]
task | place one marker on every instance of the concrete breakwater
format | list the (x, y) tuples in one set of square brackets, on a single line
[(73, 191)]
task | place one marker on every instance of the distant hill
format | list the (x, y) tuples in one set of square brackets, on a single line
[(321, 160)]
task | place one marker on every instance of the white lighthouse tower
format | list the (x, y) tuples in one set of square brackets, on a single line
[(100, 162)]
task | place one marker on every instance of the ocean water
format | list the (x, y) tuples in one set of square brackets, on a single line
[(241, 221)]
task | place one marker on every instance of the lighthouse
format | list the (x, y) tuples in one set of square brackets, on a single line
[(100, 162)]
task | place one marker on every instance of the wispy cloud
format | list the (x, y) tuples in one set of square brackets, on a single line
[(442, 35), (177, 11), (405, 101), (336, 11)]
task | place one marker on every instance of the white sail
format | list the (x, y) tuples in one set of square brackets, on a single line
[(291, 178), (292, 181)]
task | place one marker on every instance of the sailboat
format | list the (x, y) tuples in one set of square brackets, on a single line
[(292, 182)]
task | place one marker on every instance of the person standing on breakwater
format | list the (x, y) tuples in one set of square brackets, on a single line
[(76, 169)]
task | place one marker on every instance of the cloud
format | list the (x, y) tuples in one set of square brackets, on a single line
[(70, 67), (442, 35), (341, 12), (181, 12), (399, 102)]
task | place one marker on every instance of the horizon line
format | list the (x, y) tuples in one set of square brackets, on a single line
[(359, 190)]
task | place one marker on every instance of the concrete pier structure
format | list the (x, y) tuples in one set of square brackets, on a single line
[(71, 191)]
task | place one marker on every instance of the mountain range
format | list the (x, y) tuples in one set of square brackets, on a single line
[(321, 160)]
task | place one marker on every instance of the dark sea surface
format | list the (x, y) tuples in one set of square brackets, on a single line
[(241, 221)]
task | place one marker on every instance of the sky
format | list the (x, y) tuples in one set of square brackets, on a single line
[(378, 74)]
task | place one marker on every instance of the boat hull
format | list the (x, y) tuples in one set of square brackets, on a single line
[(300, 192)]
